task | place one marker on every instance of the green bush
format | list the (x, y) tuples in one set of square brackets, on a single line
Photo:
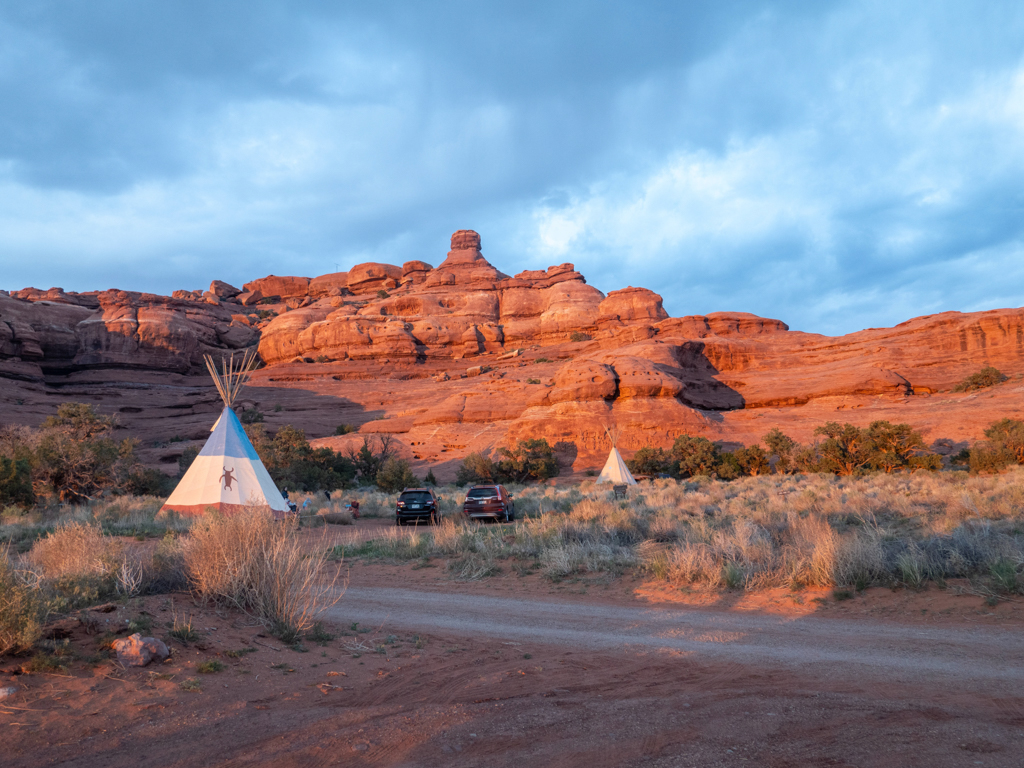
[(344, 429), (529, 460), (1008, 435), (650, 461), (16, 482), (476, 469), (896, 446), (986, 457), (986, 377), (293, 463), (186, 459), (752, 461), (21, 612), (395, 476), (250, 416), (695, 456), (782, 447)]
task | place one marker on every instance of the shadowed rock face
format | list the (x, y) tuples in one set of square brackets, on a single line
[(389, 349), (124, 330)]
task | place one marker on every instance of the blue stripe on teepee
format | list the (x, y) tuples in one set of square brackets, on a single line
[(229, 439)]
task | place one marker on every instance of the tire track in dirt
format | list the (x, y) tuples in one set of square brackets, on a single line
[(978, 657)]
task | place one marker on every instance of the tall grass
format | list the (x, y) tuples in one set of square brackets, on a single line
[(752, 533), (21, 611), (259, 565)]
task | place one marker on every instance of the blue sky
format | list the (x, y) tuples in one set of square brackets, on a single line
[(835, 165)]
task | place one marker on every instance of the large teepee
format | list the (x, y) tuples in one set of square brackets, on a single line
[(615, 470), (227, 474)]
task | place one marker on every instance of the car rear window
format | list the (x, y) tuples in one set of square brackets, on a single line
[(417, 497), (482, 493)]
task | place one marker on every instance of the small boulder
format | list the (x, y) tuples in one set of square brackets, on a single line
[(224, 290), (249, 298), (138, 651)]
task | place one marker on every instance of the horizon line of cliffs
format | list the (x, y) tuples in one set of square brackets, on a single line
[(623, 345)]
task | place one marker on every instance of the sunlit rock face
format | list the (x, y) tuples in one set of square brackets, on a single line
[(462, 357), (462, 308)]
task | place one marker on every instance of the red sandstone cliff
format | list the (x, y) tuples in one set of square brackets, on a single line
[(397, 348)]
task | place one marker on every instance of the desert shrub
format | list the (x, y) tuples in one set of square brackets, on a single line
[(533, 381), (579, 336), (395, 475), (529, 460), (650, 461), (987, 457), (1008, 436), (21, 611), (782, 447), (986, 377), (166, 572), (187, 457), (259, 566), (16, 482), (146, 481), (476, 469), (76, 549), (72, 457), (293, 463), (895, 446), (695, 456), (344, 429), (382, 294), (368, 459), (430, 479), (752, 461), (250, 416), (846, 450), (77, 565)]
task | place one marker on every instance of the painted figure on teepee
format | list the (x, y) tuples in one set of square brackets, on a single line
[(227, 474), (615, 470)]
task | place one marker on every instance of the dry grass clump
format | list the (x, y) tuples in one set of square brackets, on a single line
[(335, 513), (775, 530), (258, 565), (21, 611), (76, 549)]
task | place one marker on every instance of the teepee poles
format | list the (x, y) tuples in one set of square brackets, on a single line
[(230, 380)]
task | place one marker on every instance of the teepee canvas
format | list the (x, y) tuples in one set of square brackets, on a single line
[(227, 474), (615, 470)]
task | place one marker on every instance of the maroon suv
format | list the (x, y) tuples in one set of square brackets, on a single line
[(489, 501)]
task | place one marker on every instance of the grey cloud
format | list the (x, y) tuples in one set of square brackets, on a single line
[(155, 146)]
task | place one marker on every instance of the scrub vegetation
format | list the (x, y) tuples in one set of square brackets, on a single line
[(767, 531)]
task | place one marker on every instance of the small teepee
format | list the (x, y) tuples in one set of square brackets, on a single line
[(227, 474), (615, 470)]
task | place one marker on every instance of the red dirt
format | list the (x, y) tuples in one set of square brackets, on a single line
[(461, 699)]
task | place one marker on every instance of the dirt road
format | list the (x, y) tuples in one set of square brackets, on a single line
[(514, 670), (981, 658)]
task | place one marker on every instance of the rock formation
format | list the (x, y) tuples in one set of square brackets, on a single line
[(463, 357)]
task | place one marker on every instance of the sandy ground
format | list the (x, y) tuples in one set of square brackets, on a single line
[(515, 670)]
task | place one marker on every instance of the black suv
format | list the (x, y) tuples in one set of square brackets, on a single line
[(489, 501), (417, 505)]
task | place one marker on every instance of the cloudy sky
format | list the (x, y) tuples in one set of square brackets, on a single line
[(836, 165)]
